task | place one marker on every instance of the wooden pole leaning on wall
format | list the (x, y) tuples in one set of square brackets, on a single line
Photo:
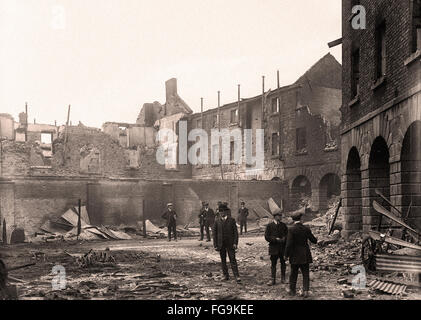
[(143, 218), (79, 222), (4, 232)]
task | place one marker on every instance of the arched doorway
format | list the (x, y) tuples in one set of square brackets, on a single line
[(352, 193), (411, 174), (276, 179), (329, 189), (300, 192), (379, 176)]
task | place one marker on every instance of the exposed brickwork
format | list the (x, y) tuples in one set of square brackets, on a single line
[(25, 158), (383, 114), (399, 78)]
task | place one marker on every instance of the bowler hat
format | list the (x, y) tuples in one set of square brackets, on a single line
[(222, 207), (169, 204)]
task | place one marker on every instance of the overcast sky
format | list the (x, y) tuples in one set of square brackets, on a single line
[(108, 57)]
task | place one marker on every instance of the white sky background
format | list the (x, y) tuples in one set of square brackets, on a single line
[(115, 55)]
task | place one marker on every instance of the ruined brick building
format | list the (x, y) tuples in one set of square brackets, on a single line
[(301, 134), (381, 111), (45, 169)]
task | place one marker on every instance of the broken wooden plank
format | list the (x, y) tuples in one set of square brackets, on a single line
[(273, 207), (380, 209), (392, 240)]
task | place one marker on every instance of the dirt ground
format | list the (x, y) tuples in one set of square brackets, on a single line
[(187, 269)]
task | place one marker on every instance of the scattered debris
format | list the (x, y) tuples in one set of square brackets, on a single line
[(348, 294), (152, 231), (387, 287), (95, 259), (65, 228), (273, 207)]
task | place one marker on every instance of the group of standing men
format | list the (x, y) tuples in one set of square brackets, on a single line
[(290, 243), (284, 243)]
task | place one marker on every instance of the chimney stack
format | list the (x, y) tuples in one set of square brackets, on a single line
[(170, 88)]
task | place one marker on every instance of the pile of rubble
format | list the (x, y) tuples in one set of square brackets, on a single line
[(66, 228), (152, 231)]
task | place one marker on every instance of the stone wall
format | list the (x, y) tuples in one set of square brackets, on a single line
[(27, 203), (392, 127)]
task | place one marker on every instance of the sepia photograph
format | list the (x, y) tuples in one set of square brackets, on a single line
[(211, 156)]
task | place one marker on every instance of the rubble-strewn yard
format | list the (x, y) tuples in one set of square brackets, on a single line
[(187, 269)]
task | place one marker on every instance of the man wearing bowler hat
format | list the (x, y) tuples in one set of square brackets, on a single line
[(171, 217), (276, 234), (298, 252), (225, 240)]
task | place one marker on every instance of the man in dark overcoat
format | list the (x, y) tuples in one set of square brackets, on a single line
[(298, 251), (243, 213), (225, 240), (171, 221), (276, 234), (206, 220)]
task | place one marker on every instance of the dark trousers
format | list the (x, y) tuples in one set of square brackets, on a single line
[(305, 270), (274, 260), (204, 227), (172, 228), (243, 224), (231, 254)]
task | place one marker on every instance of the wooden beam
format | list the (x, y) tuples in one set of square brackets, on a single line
[(335, 43)]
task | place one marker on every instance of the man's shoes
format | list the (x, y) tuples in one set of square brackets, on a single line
[(207, 240), (291, 293), (272, 282), (305, 294), (238, 279), (200, 239), (226, 277)]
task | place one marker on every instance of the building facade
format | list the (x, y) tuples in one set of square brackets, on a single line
[(381, 112), (301, 135)]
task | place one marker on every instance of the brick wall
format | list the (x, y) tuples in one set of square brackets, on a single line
[(28, 203), (399, 78)]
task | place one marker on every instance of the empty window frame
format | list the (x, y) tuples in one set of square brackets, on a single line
[(381, 57), (301, 136)]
